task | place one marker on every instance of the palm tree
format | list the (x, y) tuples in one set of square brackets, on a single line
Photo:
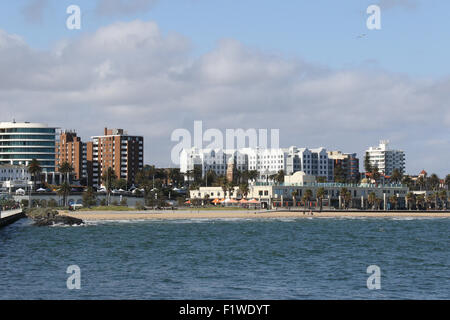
[(243, 187), (253, 175), (434, 181), (378, 202), (447, 181), (396, 176), (307, 196), (64, 191), (409, 198), (371, 199), (346, 196), (224, 186), (320, 195), (108, 178), (443, 197), (66, 169), (420, 200), (393, 200), (35, 169), (421, 182), (294, 195), (407, 181), (230, 188), (279, 177)]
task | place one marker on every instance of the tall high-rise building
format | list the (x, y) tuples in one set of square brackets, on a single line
[(385, 159), (69, 148), (117, 150), (21, 142)]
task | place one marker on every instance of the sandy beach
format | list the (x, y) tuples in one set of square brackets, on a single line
[(211, 214)]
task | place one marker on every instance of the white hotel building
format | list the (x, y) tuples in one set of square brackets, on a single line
[(385, 159), (266, 161)]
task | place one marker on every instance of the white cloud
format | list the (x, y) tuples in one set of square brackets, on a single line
[(129, 75)]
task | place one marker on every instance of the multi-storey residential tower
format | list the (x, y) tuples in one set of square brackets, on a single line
[(385, 159), (348, 162), (118, 150), (21, 142), (69, 148)]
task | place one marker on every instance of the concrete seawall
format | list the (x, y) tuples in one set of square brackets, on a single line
[(10, 216)]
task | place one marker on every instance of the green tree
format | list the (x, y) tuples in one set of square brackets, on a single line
[(320, 195), (421, 182), (66, 169), (120, 184), (410, 198), (396, 176), (244, 189), (339, 174), (393, 200), (434, 182), (420, 200), (307, 197), (371, 199), (279, 177), (444, 199), (89, 197), (35, 169), (108, 179), (367, 165), (294, 196), (447, 181), (64, 191)]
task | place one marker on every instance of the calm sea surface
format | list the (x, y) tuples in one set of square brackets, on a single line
[(317, 258)]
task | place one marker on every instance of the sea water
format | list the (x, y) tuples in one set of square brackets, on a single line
[(316, 258)]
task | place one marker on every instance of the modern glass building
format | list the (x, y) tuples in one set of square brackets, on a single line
[(21, 142)]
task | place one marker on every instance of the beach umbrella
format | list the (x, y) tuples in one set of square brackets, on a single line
[(243, 201), (188, 202), (216, 201), (41, 190)]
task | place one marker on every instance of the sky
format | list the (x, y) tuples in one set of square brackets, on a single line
[(311, 69)]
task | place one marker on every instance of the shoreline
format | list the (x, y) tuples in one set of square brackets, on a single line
[(203, 214)]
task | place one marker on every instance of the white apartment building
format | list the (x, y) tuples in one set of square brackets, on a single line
[(14, 176), (385, 159), (266, 161)]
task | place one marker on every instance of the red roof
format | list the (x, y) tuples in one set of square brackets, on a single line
[(423, 172)]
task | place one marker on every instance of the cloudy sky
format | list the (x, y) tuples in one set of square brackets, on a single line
[(309, 68)]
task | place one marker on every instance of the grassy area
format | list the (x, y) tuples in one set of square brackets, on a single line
[(108, 208)]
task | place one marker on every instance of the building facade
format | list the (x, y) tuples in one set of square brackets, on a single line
[(386, 159), (14, 176), (348, 162), (21, 142), (117, 150), (69, 148), (271, 195), (266, 162)]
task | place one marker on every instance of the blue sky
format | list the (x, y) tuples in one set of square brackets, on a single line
[(412, 39), (152, 66)]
